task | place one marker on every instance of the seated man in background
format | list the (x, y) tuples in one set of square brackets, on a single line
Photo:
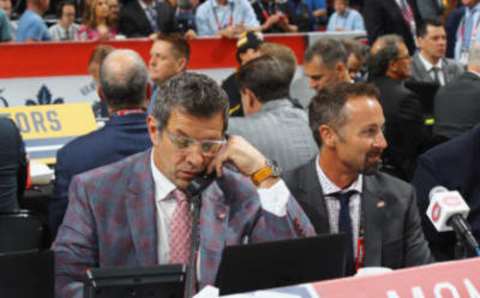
[(128, 214), (454, 165), (341, 190), (65, 29), (456, 106), (389, 67), (429, 63), (31, 26), (169, 56), (358, 55), (225, 18), (345, 18), (272, 123), (123, 86), (13, 165)]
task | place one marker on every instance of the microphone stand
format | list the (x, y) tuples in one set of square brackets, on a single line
[(196, 205)]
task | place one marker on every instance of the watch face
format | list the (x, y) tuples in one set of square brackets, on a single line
[(276, 170)]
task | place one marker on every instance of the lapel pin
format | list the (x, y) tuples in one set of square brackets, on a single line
[(381, 204)]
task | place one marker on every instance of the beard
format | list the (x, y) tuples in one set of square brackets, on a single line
[(372, 167)]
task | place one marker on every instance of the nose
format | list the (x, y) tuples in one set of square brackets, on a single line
[(380, 141), (312, 83), (195, 157)]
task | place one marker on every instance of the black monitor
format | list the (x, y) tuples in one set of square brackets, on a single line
[(266, 265), (164, 281), (27, 274)]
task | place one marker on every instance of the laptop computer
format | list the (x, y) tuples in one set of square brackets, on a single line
[(152, 282), (266, 265), (27, 274)]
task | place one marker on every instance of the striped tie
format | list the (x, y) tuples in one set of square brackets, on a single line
[(180, 230)]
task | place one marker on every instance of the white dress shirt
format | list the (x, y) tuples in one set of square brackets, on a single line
[(333, 204), (429, 66), (273, 200)]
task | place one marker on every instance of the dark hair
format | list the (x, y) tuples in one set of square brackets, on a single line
[(62, 4), (327, 105), (193, 93), (266, 77), (388, 51), (179, 44), (423, 27), (356, 48), (284, 54), (330, 50), (124, 79)]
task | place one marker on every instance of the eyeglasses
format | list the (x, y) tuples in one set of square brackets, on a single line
[(208, 147)]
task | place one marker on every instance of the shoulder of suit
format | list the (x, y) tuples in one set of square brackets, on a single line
[(388, 183), (120, 169)]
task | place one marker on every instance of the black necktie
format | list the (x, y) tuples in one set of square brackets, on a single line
[(436, 75), (345, 226)]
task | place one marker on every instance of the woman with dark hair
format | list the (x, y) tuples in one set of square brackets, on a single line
[(96, 24)]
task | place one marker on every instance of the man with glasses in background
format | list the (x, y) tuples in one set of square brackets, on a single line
[(135, 213)]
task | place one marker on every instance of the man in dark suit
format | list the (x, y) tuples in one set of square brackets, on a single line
[(141, 18), (456, 108), (430, 9), (341, 190), (429, 63), (135, 213), (454, 165), (391, 17), (13, 165), (123, 84), (389, 67)]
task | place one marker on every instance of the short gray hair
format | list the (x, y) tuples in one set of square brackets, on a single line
[(124, 79), (330, 50), (193, 93)]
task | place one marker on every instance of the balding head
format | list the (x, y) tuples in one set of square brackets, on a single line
[(123, 80)]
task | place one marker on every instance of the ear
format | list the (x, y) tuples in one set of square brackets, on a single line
[(327, 135), (249, 101), (153, 131), (182, 64)]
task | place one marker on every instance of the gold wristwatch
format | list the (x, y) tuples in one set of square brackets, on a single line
[(271, 169)]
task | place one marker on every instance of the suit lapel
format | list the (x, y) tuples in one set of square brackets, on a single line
[(141, 212), (421, 70), (373, 206), (313, 199)]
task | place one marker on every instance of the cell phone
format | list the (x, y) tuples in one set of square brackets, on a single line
[(199, 184)]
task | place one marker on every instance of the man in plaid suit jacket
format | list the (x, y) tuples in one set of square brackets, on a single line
[(116, 213)]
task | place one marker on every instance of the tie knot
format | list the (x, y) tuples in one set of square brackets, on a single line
[(179, 196), (435, 68), (344, 196)]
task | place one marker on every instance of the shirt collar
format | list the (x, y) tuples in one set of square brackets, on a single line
[(329, 187), (163, 186), (145, 5), (429, 65), (471, 10), (215, 3)]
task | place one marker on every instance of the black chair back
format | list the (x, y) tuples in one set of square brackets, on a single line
[(20, 230)]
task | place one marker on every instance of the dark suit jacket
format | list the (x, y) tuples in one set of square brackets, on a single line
[(455, 165), (450, 69), (120, 137), (112, 222), (457, 106), (134, 23), (404, 128), (12, 165), (385, 17), (393, 234)]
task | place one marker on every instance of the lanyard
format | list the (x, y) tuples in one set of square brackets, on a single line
[(360, 255), (125, 112), (220, 25), (474, 30)]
